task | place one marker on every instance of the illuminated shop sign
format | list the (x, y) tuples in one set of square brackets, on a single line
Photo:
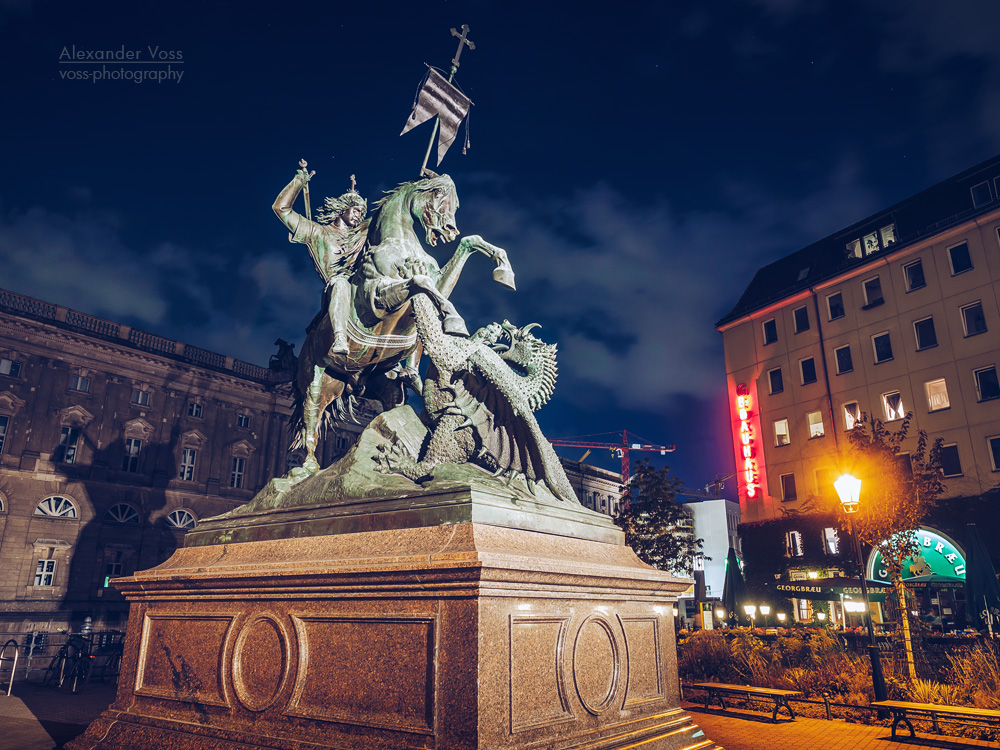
[(748, 441), (936, 554)]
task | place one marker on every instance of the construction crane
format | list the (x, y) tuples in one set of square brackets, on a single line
[(621, 450), (711, 491)]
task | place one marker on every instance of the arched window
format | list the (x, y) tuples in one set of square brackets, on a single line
[(181, 519), (56, 507), (122, 513)]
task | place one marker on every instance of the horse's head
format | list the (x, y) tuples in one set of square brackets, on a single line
[(434, 206)]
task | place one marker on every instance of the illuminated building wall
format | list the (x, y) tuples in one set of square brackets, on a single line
[(897, 313)]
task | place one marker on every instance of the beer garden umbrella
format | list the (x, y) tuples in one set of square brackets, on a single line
[(982, 590), (734, 592)]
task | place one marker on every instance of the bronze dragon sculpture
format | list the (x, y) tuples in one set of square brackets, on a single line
[(480, 395)]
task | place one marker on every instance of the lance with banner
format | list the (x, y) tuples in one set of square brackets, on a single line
[(439, 97)]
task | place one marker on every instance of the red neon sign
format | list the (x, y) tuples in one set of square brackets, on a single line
[(747, 442)]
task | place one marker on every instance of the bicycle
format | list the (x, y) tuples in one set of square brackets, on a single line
[(71, 666)]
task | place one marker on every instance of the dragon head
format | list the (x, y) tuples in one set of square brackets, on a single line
[(528, 356)]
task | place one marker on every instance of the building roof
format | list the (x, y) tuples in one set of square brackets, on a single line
[(126, 336), (926, 213)]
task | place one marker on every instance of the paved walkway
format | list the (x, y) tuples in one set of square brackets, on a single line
[(41, 718), (750, 730), (44, 718)]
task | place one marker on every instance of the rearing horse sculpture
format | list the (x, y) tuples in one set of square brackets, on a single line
[(381, 327)]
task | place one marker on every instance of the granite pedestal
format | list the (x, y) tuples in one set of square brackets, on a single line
[(453, 636)]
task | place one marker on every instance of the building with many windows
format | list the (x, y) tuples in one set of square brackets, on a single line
[(898, 313), (113, 443)]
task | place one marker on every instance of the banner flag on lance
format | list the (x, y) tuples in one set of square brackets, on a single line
[(438, 97)]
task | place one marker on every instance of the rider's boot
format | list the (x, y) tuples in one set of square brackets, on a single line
[(453, 324), (340, 345)]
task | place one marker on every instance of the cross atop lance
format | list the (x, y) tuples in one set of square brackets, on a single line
[(441, 100)]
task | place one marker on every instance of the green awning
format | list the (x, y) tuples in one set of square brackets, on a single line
[(829, 589)]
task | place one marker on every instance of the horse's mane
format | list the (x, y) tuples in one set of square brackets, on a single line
[(424, 185)]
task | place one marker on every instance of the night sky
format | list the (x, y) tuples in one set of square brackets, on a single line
[(638, 161)]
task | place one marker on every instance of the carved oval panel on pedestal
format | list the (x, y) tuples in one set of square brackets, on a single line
[(596, 665), (260, 662)]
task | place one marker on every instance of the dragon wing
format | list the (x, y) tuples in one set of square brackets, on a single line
[(507, 426)]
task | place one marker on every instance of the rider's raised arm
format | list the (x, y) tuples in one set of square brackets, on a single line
[(286, 199)]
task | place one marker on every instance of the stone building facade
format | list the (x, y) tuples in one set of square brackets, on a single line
[(898, 313), (114, 442)]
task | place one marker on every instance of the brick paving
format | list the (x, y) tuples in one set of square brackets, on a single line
[(42, 718), (750, 730), (34, 717)]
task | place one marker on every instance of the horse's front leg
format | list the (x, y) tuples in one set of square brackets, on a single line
[(502, 274)]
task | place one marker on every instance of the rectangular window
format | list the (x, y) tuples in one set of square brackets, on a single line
[(10, 367), (243, 420), (854, 249), (961, 261), (844, 361), (870, 242), (111, 570), (781, 436), (994, 446), (873, 292), (807, 367), (882, 346), (774, 380), (188, 458), (937, 395), (770, 331), (973, 319), (892, 404), (130, 461), (950, 461), (140, 397), (852, 415), (194, 409), (4, 422), (831, 542), (793, 539), (924, 331), (45, 572), (800, 316), (68, 439), (824, 482), (905, 463), (914, 273), (888, 234), (987, 386), (981, 194), (788, 491), (815, 420), (835, 305), (236, 477), (79, 383)]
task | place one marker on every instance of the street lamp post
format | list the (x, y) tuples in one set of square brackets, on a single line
[(765, 609), (849, 489), (751, 610)]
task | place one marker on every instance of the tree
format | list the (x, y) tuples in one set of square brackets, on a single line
[(897, 492), (656, 526)]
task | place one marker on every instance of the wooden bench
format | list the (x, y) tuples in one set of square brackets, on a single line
[(717, 690), (902, 710)]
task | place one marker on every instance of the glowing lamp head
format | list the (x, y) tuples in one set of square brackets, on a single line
[(849, 490), (781, 617), (765, 609), (821, 616), (720, 613), (750, 609)]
